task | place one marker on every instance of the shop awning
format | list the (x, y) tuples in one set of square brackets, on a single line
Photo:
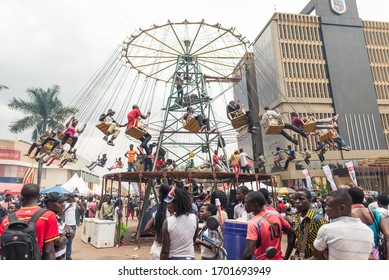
[(13, 188)]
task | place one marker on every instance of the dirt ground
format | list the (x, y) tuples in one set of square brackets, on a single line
[(83, 251)]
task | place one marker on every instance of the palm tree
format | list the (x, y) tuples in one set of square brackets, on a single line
[(43, 111)]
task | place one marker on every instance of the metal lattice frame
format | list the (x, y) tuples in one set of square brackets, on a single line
[(195, 95), (199, 53)]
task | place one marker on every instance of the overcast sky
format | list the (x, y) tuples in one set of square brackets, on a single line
[(64, 42)]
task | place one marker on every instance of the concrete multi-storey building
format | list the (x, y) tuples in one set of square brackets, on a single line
[(329, 63)]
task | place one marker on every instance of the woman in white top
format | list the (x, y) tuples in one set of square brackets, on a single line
[(179, 231)]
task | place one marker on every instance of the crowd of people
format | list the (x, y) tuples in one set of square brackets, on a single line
[(55, 229), (339, 226), (342, 225)]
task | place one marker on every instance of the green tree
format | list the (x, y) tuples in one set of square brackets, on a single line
[(44, 111), (323, 188)]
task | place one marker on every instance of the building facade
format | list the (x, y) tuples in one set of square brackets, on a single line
[(329, 63)]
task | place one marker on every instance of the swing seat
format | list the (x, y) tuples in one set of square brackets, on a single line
[(322, 151), (325, 137), (238, 118), (69, 141), (329, 135), (136, 132), (309, 124), (274, 126), (192, 125), (103, 127)]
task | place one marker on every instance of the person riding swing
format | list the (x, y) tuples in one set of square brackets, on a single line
[(113, 126), (233, 110), (133, 121), (275, 116), (71, 132)]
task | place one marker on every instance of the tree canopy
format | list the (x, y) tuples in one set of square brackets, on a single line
[(43, 111)]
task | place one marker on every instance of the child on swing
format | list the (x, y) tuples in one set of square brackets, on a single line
[(118, 164), (72, 157)]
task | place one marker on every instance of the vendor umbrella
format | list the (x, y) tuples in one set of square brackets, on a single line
[(285, 191)]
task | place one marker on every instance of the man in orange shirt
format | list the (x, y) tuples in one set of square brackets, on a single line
[(131, 155), (46, 225)]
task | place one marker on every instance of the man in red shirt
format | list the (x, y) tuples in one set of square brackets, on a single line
[(326, 123), (134, 115), (281, 207), (46, 225), (159, 165), (216, 161), (91, 207), (265, 230), (133, 121)]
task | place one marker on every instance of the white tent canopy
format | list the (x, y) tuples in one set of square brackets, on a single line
[(76, 183)]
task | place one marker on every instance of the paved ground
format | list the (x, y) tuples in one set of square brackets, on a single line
[(83, 251)]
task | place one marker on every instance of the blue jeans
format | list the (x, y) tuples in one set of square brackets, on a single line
[(340, 143), (131, 167), (69, 243)]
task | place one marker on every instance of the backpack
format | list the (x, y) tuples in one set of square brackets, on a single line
[(19, 241)]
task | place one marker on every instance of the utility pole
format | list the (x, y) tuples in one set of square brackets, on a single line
[(39, 176)]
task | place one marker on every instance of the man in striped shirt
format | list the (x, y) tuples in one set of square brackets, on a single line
[(305, 217)]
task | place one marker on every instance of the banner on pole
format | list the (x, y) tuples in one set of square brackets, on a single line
[(308, 178), (29, 176), (351, 172), (330, 178)]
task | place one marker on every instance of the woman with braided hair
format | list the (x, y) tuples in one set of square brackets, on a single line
[(156, 222), (179, 231)]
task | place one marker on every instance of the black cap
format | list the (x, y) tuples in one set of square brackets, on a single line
[(54, 197), (72, 195)]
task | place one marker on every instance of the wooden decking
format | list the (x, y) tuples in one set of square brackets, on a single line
[(219, 176)]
